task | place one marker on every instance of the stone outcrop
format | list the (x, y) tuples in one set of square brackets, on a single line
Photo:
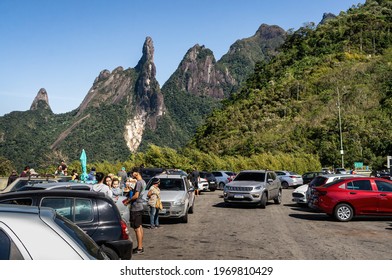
[(41, 101), (197, 74)]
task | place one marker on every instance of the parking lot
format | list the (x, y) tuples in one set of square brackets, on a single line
[(284, 231)]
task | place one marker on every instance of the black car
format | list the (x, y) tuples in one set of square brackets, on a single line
[(309, 176), (94, 212), (148, 172), (212, 182)]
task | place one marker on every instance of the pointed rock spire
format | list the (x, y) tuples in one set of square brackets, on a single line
[(41, 101)]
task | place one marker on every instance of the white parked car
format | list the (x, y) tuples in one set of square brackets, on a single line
[(177, 196), (203, 184), (289, 178), (38, 233)]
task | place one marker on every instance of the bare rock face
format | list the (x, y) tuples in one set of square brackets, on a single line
[(199, 75), (41, 101), (149, 105), (136, 88)]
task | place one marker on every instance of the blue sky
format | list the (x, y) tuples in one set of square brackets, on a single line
[(62, 45)]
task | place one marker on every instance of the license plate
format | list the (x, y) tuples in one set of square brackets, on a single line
[(238, 196)]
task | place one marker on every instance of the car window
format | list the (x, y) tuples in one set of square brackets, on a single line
[(62, 205), (18, 201), (250, 176), (217, 174), (279, 173), (8, 249), (384, 186), (83, 210), (271, 176), (362, 185)]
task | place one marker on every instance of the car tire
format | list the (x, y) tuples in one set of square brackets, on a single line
[(112, 255), (184, 219), (190, 210), (285, 185), (263, 201), (221, 185), (343, 212), (278, 199)]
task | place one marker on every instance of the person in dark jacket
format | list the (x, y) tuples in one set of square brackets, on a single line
[(12, 177)]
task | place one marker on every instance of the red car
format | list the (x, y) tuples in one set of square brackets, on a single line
[(349, 197)]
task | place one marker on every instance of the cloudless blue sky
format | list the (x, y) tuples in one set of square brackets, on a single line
[(62, 45)]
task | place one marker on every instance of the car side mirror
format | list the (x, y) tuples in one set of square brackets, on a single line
[(270, 181), (191, 189)]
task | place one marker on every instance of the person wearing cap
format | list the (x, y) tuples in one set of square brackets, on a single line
[(122, 175), (91, 175), (136, 212), (153, 197)]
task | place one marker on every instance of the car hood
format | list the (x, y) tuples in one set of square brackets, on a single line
[(244, 184), (169, 195), (302, 188)]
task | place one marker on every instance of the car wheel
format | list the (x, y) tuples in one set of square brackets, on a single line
[(278, 199), (343, 212), (285, 185), (221, 185), (263, 201), (112, 255), (190, 210), (185, 218)]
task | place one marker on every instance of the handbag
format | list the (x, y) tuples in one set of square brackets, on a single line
[(158, 204)]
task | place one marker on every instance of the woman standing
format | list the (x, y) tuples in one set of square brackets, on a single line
[(153, 196)]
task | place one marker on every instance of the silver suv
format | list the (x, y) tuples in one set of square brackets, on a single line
[(177, 196), (254, 187)]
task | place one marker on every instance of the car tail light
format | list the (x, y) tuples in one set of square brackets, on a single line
[(293, 176), (124, 231)]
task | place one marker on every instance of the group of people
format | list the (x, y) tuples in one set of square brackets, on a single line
[(133, 188), (27, 171)]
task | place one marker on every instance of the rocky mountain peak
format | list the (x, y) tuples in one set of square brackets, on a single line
[(267, 32), (41, 101), (198, 75)]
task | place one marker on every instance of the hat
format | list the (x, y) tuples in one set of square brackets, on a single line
[(32, 172), (155, 181), (123, 168)]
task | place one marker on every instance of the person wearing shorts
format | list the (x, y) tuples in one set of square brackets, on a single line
[(136, 211)]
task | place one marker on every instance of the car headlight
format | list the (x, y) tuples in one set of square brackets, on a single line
[(178, 202), (258, 188)]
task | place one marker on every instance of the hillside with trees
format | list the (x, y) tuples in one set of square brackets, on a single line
[(289, 105)]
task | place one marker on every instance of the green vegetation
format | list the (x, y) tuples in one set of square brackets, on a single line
[(289, 104), (284, 115)]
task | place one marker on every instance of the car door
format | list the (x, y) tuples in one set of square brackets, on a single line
[(273, 187), (361, 195), (384, 192), (78, 210)]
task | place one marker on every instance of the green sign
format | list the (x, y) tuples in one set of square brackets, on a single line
[(358, 165)]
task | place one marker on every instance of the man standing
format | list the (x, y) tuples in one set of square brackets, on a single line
[(137, 209), (123, 176), (195, 179)]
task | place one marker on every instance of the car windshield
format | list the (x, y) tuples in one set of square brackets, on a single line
[(80, 237), (169, 184), (250, 176)]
